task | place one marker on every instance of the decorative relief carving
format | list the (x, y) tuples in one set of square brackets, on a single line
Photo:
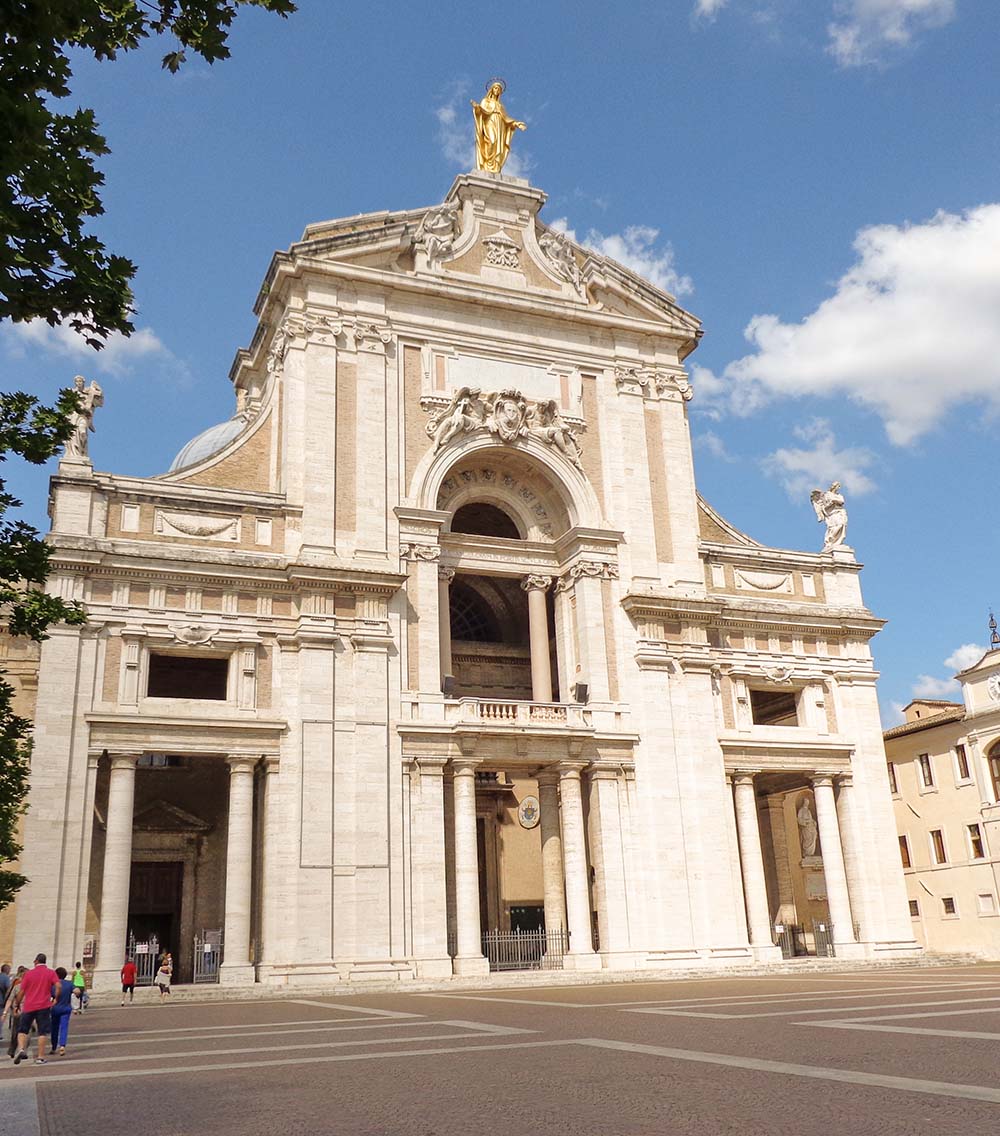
[(501, 250), (779, 674), (197, 525), (653, 382), (558, 251), (593, 569), (419, 552), (506, 414), (486, 476), (192, 634), (438, 231), (536, 583), (301, 328), (763, 581)]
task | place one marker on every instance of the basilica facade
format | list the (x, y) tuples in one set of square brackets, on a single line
[(435, 642)]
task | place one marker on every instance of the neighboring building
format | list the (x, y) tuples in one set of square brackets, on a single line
[(944, 772), (436, 635)]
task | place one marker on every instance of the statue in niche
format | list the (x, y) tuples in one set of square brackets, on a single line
[(559, 253), (465, 412), (494, 129), (829, 508), (545, 423), (438, 231), (808, 830), (82, 419)]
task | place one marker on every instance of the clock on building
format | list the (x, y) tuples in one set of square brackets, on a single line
[(993, 686)]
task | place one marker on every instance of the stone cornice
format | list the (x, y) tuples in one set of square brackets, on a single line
[(757, 557)]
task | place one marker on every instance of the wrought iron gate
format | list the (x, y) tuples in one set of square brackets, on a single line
[(145, 955), (525, 950), (207, 956), (823, 937)]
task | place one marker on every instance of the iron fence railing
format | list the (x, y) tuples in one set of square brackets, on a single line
[(525, 950)]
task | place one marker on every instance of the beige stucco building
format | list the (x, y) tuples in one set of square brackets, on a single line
[(944, 773), (436, 637)]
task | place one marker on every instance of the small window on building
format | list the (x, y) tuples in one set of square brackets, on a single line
[(937, 846), (914, 909), (159, 761), (774, 708), (904, 852), (926, 771), (187, 676), (893, 785), (962, 763), (948, 905), (987, 903), (977, 845)]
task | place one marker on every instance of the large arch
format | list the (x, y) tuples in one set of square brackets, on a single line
[(542, 492)]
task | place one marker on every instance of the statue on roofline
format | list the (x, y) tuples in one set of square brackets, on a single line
[(494, 129), (82, 419), (828, 505)]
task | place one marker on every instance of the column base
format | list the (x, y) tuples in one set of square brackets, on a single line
[(433, 967), (766, 952), (851, 950), (470, 965), (582, 960), (106, 979), (237, 974)]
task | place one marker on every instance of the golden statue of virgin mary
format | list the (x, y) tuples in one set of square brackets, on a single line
[(494, 129)]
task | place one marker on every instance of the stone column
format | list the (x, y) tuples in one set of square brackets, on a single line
[(607, 854), (833, 865), (445, 577), (553, 892), (429, 904), (236, 969), (117, 872), (270, 869), (786, 912), (469, 958), (538, 631), (751, 860), (581, 943), (854, 863)]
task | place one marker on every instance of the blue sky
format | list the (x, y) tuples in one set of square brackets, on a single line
[(819, 180)]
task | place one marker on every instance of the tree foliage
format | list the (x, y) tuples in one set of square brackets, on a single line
[(50, 268)]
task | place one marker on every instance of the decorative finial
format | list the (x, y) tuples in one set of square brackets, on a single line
[(494, 129), (994, 637)]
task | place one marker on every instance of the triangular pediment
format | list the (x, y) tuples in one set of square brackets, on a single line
[(161, 816)]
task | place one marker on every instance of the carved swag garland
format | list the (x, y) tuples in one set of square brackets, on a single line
[(507, 415)]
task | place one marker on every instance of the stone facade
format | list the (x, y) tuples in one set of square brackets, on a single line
[(437, 636), (944, 772)]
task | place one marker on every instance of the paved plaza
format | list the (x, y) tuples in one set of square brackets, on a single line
[(879, 1051)]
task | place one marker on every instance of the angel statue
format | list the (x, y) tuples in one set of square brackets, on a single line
[(466, 411), (438, 230), (829, 507), (494, 130), (545, 423), (82, 419)]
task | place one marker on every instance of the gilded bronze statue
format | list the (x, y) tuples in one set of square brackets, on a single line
[(494, 129)]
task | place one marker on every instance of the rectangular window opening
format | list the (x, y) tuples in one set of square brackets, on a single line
[(948, 905), (937, 844), (188, 676), (914, 909), (904, 852), (774, 708), (987, 903), (977, 845), (893, 784), (926, 771), (962, 762)]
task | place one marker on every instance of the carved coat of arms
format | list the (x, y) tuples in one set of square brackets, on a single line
[(507, 414)]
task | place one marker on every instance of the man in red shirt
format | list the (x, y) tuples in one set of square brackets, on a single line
[(128, 980), (36, 999)]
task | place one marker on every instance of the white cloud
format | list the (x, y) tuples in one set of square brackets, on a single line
[(879, 339), (457, 136), (714, 445), (635, 248), (965, 656), (117, 357), (800, 470), (927, 686), (708, 9), (865, 29)]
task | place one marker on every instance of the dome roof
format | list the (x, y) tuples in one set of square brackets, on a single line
[(209, 442)]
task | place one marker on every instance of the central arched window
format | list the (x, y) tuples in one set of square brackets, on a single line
[(472, 618), (480, 519)]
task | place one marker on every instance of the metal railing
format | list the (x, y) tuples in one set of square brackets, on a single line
[(525, 950), (207, 956), (146, 956)]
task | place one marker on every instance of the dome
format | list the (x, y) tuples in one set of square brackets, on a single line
[(209, 442)]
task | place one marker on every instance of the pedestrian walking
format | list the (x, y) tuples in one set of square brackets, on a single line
[(62, 1011), (5, 985), (9, 1015), (36, 995), (79, 987), (164, 975), (128, 980)]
